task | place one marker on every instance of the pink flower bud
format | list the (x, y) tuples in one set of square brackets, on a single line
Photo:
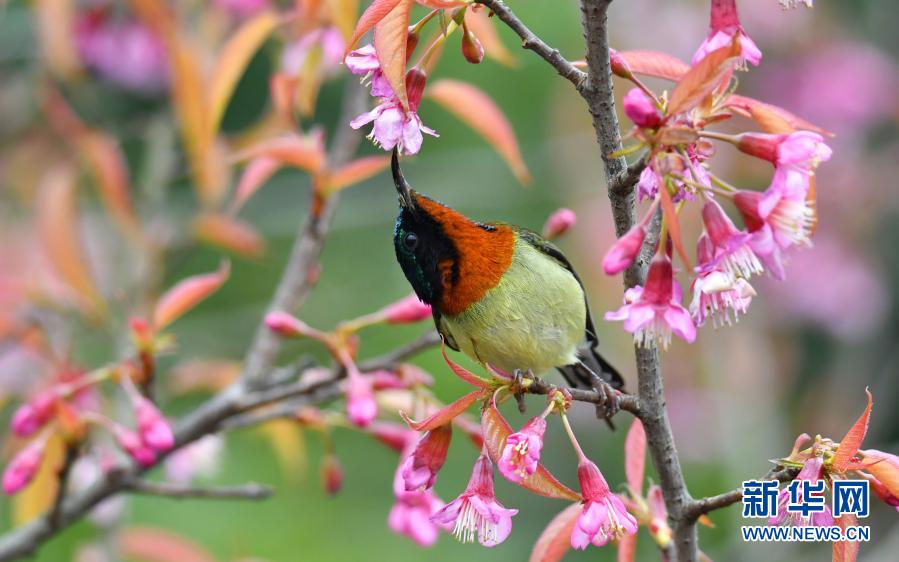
[(360, 400), (32, 415), (421, 467), (558, 223), (153, 427), (760, 145), (415, 86), (286, 325), (332, 474), (23, 467), (619, 65), (624, 251), (641, 109), (472, 49), (134, 446), (406, 310)]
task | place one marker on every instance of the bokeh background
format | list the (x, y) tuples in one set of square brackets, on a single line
[(798, 362)]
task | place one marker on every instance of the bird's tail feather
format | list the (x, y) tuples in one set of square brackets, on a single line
[(580, 375)]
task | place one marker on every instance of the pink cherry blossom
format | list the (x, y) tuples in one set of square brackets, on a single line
[(124, 52), (653, 312), (411, 513), (32, 415), (521, 453), (624, 251), (795, 157), (790, 218), (641, 109), (23, 467), (561, 221), (724, 24), (364, 61), (732, 251), (476, 513), (811, 472), (715, 293), (604, 515), (420, 468), (153, 428), (360, 399), (648, 184)]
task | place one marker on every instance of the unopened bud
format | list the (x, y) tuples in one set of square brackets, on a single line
[(559, 223), (411, 42), (641, 109), (619, 65), (23, 467), (154, 429), (415, 86), (760, 145), (472, 49), (406, 310), (624, 251), (286, 325), (32, 415), (332, 474)]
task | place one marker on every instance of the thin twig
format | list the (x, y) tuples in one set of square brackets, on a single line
[(530, 41), (708, 504), (625, 182), (627, 402), (249, 491)]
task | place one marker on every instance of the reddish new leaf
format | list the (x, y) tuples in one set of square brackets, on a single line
[(375, 12), (254, 176), (475, 108), (555, 540), (441, 4), (845, 551), (850, 443), (391, 35), (158, 545), (542, 482), (229, 233), (635, 456), (670, 215), (107, 166), (461, 371), (445, 414), (655, 63), (701, 79), (627, 548), (355, 172), (771, 118), (305, 153), (186, 294)]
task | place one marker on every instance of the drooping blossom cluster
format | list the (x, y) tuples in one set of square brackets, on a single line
[(676, 144)]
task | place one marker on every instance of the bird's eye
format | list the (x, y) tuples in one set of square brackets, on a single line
[(410, 241)]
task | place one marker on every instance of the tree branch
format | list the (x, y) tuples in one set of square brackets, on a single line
[(531, 42), (706, 505), (249, 491)]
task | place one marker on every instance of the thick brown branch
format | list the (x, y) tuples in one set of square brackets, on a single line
[(531, 42), (249, 491)]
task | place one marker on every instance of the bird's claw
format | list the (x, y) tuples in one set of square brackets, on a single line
[(520, 381), (607, 405)]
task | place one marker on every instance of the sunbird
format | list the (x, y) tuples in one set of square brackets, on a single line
[(499, 293)]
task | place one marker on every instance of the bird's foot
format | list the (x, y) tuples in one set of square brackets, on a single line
[(608, 404), (521, 380)]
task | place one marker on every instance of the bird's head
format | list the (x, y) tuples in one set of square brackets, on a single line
[(449, 259)]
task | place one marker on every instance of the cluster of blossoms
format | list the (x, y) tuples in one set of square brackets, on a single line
[(672, 131)]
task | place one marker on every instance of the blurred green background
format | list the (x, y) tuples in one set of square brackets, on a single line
[(798, 362)]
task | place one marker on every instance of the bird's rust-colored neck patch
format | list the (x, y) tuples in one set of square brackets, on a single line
[(484, 253)]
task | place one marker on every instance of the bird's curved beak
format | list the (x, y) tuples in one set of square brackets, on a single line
[(402, 186)]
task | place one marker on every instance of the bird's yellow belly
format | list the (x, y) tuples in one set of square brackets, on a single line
[(534, 319)]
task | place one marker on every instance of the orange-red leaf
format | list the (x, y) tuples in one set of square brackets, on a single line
[(305, 153), (555, 540), (107, 165), (441, 4), (158, 545), (483, 27), (444, 415), (356, 171), (461, 371), (233, 60), (186, 294), (670, 215), (655, 63), (542, 482), (375, 12), (771, 118), (254, 176), (55, 23), (845, 551), (58, 227), (701, 79), (229, 233), (635, 456), (851, 442), (475, 108), (391, 34), (627, 548)]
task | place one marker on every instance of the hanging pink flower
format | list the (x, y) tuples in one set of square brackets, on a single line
[(790, 218), (604, 516), (23, 467), (653, 312), (521, 454), (364, 61), (411, 513), (715, 293), (624, 251), (811, 472), (648, 184), (795, 157), (476, 513), (724, 24), (732, 251), (420, 469)]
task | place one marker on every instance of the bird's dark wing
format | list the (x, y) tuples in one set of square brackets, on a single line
[(590, 357), (443, 331)]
